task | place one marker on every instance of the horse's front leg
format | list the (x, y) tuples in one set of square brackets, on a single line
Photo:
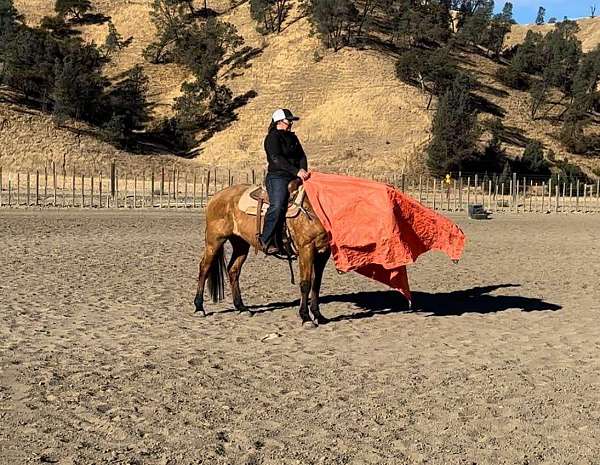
[(306, 262), (319, 266)]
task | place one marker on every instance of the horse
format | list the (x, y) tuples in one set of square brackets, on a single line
[(226, 222)]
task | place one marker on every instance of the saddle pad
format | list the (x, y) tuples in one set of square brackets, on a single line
[(248, 205)]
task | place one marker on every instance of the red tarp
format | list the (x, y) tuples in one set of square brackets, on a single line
[(376, 230)]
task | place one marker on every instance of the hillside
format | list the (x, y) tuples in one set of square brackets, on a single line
[(589, 32), (356, 115)]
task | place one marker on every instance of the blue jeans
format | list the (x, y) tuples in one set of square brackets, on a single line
[(277, 187)]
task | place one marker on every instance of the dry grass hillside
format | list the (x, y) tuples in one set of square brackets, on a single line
[(355, 114), (589, 32)]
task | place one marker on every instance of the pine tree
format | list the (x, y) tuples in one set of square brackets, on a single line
[(114, 40), (334, 21), (9, 16), (269, 14), (76, 8), (539, 19), (533, 161), (455, 132)]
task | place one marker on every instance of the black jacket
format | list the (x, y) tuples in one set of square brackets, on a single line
[(284, 153)]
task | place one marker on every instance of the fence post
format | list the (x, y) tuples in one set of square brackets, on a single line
[(46, 183), (162, 186), (54, 181), (468, 192), (134, 190), (9, 190), (454, 194), (556, 199), (83, 190), (208, 183), (37, 188), (152, 188), (1, 186), (185, 192), (194, 191), (92, 190), (100, 190), (18, 189), (113, 181), (176, 186), (28, 188), (64, 183), (125, 192), (531, 195), (577, 197)]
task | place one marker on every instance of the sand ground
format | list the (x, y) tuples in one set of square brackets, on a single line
[(103, 362)]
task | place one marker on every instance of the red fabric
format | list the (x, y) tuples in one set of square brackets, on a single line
[(376, 230)]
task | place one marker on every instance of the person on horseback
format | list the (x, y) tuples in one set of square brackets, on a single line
[(287, 161)]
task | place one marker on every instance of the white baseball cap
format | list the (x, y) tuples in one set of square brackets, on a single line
[(283, 113)]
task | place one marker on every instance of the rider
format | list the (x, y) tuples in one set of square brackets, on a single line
[(287, 161)]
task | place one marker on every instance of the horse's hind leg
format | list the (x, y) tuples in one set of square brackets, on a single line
[(213, 251), (238, 257), (319, 267)]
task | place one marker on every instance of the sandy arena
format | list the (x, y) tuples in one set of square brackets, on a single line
[(102, 360)]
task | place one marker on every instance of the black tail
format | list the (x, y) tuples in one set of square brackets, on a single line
[(216, 276)]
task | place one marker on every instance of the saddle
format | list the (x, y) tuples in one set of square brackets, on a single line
[(255, 202), (256, 195)]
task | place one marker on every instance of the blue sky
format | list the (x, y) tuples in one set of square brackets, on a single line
[(525, 11)]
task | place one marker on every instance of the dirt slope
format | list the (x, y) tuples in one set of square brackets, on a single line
[(355, 114)]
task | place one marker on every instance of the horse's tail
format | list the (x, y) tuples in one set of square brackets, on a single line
[(216, 276)]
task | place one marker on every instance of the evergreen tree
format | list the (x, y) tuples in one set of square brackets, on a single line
[(57, 26), (455, 132), (128, 105), (76, 8), (170, 22), (475, 26), (539, 19), (532, 161), (507, 13), (434, 72), (77, 88), (114, 41), (269, 14), (494, 155), (9, 16), (584, 95), (334, 21)]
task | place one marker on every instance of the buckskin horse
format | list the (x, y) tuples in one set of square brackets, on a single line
[(225, 221)]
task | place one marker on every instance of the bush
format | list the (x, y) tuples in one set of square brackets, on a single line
[(455, 131), (333, 20), (510, 76), (532, 161)]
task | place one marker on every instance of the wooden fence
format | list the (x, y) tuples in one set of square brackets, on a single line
[(172, 188)]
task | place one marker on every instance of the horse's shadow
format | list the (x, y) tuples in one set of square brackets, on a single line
[(474, 300)]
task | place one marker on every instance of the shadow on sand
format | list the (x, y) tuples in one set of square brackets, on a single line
[(474, 300)]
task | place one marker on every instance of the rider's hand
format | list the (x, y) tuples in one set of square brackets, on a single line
[(303, 174)]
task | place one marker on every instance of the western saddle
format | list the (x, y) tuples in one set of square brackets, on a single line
[(255, 202)]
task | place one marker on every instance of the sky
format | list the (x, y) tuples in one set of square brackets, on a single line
[(525, 11)]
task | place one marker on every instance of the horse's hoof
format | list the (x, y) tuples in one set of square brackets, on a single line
[(200, 311), (312, 323), (322, 320)]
